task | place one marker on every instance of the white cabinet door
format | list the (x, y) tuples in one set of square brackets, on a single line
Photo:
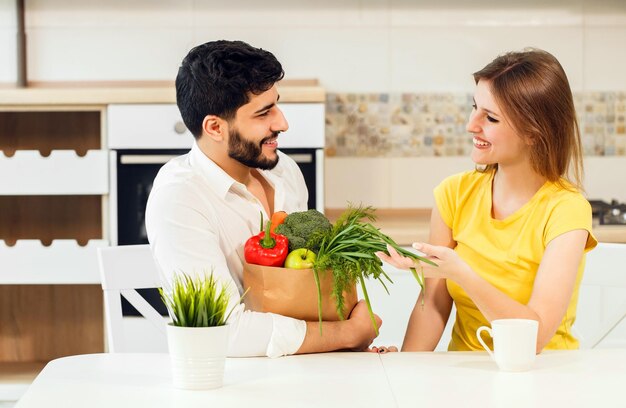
[(306, 125), (395, 308), (602, 299)]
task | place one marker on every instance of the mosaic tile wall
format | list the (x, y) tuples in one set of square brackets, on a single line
[(406, 125)]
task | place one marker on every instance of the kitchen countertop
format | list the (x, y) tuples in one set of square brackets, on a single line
[(103, 93), (406, 226)]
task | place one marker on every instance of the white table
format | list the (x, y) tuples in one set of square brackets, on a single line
[(588, 378)]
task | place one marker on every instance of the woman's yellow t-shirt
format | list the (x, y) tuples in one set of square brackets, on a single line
[(507, 253)]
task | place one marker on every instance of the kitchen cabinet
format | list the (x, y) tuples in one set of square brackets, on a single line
[(597, 303), (58, 205), (54, 178), (395, 307)]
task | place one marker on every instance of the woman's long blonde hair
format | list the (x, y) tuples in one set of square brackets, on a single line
[(533, 91)]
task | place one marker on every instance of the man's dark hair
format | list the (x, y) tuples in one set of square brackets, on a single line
[(217, 78)]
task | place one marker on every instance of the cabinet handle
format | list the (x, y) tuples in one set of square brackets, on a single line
[(180, 127), (146, 158), (301, 157)]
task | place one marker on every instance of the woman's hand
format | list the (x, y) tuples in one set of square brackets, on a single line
[(449, 264), (382, 349)]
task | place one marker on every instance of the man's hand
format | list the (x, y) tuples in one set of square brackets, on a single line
[(356, 333), (361, 329)]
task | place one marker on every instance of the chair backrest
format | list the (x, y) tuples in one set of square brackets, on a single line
[(124, 269), (602, 304)]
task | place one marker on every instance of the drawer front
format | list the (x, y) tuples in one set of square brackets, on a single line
[(160, 126), (155, 126), (63, 262), (61, 173)]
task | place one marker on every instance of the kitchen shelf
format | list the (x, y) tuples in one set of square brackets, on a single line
[(54, 94), (53, 204), (64, 172), (63, 262)]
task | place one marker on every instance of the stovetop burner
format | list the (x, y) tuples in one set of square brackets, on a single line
[(613, 213)]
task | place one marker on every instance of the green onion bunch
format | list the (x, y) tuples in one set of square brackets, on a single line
[(348, 250)]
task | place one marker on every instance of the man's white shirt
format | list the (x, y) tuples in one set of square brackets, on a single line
[(198, 219)]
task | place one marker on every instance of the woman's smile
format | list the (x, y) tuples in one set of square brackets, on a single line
[(480, 143)]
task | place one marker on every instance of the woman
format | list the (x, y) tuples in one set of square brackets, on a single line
[(509, 237)]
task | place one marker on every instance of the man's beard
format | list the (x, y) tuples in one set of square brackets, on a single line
[(249, 153)]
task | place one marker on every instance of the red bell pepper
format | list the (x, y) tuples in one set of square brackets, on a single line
[(266, 248)]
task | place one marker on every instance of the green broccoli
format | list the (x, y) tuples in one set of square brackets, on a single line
[(305, 229)]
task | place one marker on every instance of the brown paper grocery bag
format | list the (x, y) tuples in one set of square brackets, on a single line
[(292, 292)]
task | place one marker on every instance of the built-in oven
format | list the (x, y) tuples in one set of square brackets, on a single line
[(136, 170), (139, 147)]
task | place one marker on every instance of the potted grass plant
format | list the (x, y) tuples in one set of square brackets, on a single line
[(198, 334)]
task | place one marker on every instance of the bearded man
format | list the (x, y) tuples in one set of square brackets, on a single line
[(205, 204)]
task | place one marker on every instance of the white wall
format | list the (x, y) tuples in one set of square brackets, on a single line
[(408, 182), (8, 27), (350, 45)]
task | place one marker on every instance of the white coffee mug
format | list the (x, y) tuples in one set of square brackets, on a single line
[(514, 343)]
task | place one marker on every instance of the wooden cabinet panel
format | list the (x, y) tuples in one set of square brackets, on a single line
[(50, 217), (43, 322), (47, 131)]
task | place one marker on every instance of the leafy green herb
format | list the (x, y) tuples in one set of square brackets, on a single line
[(197, 301), (348, 250)]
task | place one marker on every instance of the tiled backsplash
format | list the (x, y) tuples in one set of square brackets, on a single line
[(419, 124), (602, 119)]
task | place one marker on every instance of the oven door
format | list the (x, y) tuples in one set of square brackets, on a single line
[(311, 163), (136, 170)]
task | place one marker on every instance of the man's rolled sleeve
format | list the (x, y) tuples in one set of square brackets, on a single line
[(287, 336)]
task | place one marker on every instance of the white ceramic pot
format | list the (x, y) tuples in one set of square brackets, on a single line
[(198, 355)]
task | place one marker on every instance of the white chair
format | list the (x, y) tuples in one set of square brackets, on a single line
[(602, 303), (124, 269)]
